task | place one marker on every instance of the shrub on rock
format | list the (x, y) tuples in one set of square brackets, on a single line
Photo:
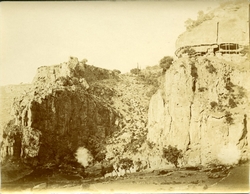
[(172, 154)]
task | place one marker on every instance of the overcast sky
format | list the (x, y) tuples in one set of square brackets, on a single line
[(113, 35)]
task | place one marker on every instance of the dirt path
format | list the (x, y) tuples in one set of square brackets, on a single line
[(171, 181), (237, 181)]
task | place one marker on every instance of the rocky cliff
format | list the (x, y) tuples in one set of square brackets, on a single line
[(58, 115), (74, 105), (202, 108)]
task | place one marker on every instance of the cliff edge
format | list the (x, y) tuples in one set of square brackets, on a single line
[(202, 108)]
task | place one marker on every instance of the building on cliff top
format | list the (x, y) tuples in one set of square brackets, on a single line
[(227, 35)]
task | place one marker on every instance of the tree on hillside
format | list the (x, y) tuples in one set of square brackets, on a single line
[(166, 62), (201, 17), (189, 24), (135, 71)]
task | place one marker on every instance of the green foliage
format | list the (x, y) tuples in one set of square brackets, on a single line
[(75, 81), (150, 77), (152, 68), (152, 90), (241, 92), (229, 118), (166, 62), (172, 154), (84, 61), (135, 71), (232, 103), (190, 24), (117, 71), (213, 104)]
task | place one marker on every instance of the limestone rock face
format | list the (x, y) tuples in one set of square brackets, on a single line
[(72, 68), (202, 107), (59, 114)]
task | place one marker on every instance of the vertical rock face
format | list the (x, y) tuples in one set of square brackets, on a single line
[(58, 115), (202, 108)]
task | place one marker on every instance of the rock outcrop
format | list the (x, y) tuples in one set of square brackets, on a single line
[(202, 108), (74, 105), (58, 115)]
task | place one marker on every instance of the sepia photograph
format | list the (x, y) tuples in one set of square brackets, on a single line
[(124, 96)]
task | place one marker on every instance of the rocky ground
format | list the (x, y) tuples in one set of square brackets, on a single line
[(210, 179), (128, 95)]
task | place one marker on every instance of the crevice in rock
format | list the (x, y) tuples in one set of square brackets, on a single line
[(194, 85), (218, 117), (244, 133), (194, 74), (170, 125), (190, 118)]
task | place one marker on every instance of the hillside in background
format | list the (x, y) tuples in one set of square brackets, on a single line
[(8, 93)]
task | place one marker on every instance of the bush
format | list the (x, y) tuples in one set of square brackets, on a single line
[(75, 81), (152, 91), (232, 103), (229, 86), (241, 92), (84, 61), (172, 154), (213, 104), (166, 62), (229, 118), (135, 71), (190, 24), (116, 71)]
